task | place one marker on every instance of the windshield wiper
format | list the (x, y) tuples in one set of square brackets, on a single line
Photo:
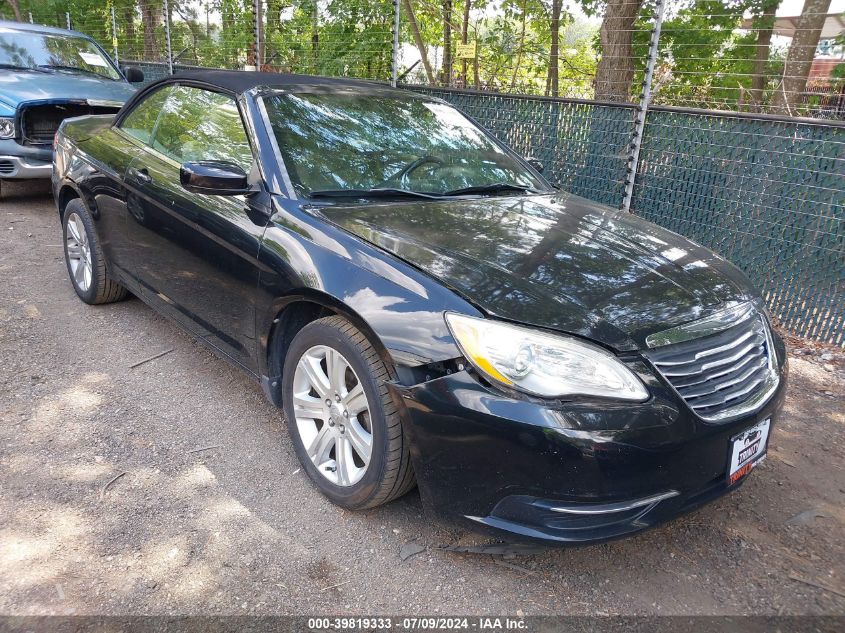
[(385, 192), (76, 69), (16, 67), (495, 187)]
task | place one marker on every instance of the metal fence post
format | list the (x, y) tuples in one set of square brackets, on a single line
[(67, 19), (257, 43), (114, 34), (642, 107), (168, 43), (394, 54)]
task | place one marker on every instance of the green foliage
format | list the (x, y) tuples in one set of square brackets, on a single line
[(704, 58), (707, 59), (340, 37)]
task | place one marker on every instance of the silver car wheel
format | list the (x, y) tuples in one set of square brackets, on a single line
[(78, 251), (332, 415)]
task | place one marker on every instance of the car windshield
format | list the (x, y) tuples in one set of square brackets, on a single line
[(53, 53), (348, 143)]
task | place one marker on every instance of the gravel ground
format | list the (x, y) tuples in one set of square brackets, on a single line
[(237, 529)]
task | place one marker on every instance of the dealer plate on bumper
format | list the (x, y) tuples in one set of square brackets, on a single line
[(747, 449)]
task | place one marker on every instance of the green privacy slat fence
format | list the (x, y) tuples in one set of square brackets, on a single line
[(582, 144), (766, 193)]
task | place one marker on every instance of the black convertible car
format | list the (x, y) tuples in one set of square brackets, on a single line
[(423, 304)]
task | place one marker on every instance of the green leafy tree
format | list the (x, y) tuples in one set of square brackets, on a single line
[(708, 64), (616, 68), (15, 8), (796, 68)]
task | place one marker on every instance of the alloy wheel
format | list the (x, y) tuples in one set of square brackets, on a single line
[(78, 251), (332, 415)]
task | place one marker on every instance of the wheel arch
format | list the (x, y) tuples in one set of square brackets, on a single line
[(291, 313), (67, 192)]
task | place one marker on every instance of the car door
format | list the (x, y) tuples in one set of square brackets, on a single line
[(118, 147), (194, 254)]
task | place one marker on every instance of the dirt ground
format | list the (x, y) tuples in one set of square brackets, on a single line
[(108, 505)]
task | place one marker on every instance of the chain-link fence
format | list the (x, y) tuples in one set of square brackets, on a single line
[(723, 120), (772, 56), (335, 37), (743, 55)]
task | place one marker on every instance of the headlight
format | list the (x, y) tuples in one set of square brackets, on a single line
[(543, 364), (7, 128)]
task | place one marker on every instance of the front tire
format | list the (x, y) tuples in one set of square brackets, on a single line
[(343, 423), (86, 265)]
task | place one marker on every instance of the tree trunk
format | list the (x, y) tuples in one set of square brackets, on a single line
[(16, 10), (465, 40), (193, 27), (415, 29), (766, 24), (447, 43), (272, 24), (128, 14), (615, 70), (518, 62), (315, 36), (552, 80), (476, 79), (226, 17), (800, 56), (150, 18)]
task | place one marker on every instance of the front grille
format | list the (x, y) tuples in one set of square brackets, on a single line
[(7, 167), (40, 122), (723, 375)]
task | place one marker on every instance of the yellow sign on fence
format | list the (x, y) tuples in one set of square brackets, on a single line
[(465, 51)]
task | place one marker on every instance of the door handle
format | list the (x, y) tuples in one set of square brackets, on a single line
[(141, 175)]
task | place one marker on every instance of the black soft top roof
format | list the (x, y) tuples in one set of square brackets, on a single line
[(239, 81)]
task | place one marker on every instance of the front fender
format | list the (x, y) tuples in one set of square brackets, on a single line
[(70, 173), (305, 257)]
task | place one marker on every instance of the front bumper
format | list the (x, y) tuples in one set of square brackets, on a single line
[(16, 167), (24, 162), (574, 473)]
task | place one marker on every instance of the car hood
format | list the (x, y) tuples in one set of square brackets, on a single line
[(560, 262), (17, 87)]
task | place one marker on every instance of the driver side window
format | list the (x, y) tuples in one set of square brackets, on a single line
[(141, 122), (198, 125)]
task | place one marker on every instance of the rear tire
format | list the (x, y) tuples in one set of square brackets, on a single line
[(336, 416), (86, 265)]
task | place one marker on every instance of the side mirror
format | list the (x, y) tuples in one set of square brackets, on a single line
[(214, 177), (133, 75), (536, 163)]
